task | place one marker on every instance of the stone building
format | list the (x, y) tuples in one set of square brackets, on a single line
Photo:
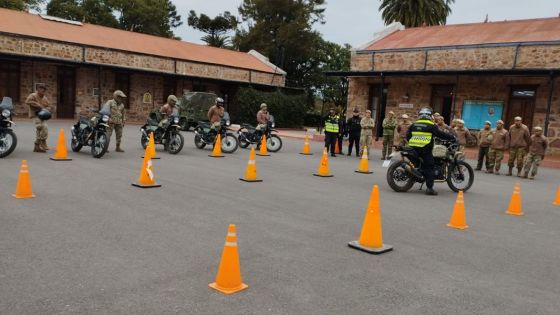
[(82, 64), (477, 72)]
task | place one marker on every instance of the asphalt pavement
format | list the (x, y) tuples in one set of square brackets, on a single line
[(92, 243)]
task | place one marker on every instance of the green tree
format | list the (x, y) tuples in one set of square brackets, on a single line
[(216, 29), (91, 11), (282, 31), (22, 5), (416, 13)]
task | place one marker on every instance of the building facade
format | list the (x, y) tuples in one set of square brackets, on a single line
[(82, 64), (476, 72)]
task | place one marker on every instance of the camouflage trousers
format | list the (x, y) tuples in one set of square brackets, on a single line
[(118, 133), (387, 145), (41, 130), (495, 158), (365, 141), (532, 164), (517, 154)]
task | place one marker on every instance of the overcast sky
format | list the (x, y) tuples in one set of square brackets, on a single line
[(355, 21)]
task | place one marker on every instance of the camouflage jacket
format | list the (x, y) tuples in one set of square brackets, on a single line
[(117, 112)]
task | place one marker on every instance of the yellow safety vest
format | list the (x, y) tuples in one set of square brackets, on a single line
[(331, 124), (421, 139)]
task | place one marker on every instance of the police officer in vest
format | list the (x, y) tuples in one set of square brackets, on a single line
[(332, 129), (420, 136)]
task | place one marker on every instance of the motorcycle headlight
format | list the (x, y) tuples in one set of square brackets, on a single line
[(176, 120), (105, 118), (6, 113), (228, 122), (273, 125)]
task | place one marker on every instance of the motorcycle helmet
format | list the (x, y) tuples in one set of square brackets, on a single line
[(425, 113), (220, 101), (44, 114)]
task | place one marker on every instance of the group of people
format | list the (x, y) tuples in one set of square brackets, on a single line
[(358, 129)]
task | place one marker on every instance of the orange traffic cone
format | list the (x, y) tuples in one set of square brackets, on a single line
[(515, 207), (217, 151), (306, 149), (371, 237), (228, 279), (152, 147), (364, 163), (458, 220), (251, 172), (23, 188), (263, 151), (323, 170), (146, 178), (61, 153), (557, 200), (336, 148)]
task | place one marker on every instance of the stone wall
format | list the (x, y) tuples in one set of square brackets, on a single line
[(33, 47), (410, 60), (534, 57), (471, 58), (128, 60), (30, 74)]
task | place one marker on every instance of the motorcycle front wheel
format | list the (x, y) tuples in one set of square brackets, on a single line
[(175, 143), (398, 178), (198, 142), (273, 143), (8, 142), (99, 145), (460, 176), (144, 140), (243, 143), (229, 143), (76, 145)]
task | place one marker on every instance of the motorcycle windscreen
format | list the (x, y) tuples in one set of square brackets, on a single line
[(7, 104)]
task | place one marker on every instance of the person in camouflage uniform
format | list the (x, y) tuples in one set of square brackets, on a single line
[(484, 140), (117, 120), (537, 150), (366, 135), (519, 140), (402, 129), (497, 148), (38, 101), (389, 124)]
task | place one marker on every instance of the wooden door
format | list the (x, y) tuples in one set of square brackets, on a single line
[(66, 98), (442, 100), (522, 107)]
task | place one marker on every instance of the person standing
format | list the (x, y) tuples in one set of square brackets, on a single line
[(331, 131), (462, 134), (117, 119), (497, 148), (37, 102), (402, 129), (389, 124), (341, 130), (353, 129), (519, 140), (366, 135), (537, 149), (485, 140), (440, 123)]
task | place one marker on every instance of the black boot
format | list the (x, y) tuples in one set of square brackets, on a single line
[(431, 192)]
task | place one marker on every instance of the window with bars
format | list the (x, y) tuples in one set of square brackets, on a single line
[(9, 80)]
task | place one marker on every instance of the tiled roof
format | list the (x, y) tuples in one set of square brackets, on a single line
[(517, 31), (27, 24)]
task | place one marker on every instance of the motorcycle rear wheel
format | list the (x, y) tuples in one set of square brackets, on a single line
[(8, 143), (396, 174)]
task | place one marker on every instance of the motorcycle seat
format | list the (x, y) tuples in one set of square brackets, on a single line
[(152, 122), (248, 127), (204, 124)]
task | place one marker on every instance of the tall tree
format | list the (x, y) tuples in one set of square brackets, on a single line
[(282, 31), (216, 29), (415, 13), (91, 11), (22, 5)]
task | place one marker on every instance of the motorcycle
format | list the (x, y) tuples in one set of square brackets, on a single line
[(8, 139), (458, 174), (248, 135), (203, 135), (169, 134), (92, 132)]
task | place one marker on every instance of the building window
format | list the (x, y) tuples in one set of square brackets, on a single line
[(9, 80), (122, 82)]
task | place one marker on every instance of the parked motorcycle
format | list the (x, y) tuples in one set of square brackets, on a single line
[(205, 136), (458, 174), (169, 134), (92, 132), (248, 135), (8, 139)]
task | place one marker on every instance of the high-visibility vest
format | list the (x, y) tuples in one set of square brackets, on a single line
[(421, 139), (331, 124)]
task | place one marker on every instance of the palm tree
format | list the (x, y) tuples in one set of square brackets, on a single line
[(415, 13)]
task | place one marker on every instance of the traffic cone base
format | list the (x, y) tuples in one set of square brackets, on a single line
[(368, 172), (23, 197), (216, 156), (263, 154), (215, 286), (464, 227), (53, 159), (306, 153), (515, 213), (319, 175), (146, 186), (375, 251)]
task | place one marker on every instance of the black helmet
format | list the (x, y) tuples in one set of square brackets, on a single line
[(425, 113), (44, 114)]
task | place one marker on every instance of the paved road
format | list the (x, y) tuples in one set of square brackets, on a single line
[(92, 243)]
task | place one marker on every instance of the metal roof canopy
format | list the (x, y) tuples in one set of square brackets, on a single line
[(400, 73)]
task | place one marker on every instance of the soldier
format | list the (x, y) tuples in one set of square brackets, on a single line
[(402, 129), (485, 140), (497, 148), (536, 153), (353, 130), (215, 114), (340, 137), (332, 129), (168, 109), (366, 135), (462, 134), (117, 120), (519, 140), (389, 124), (38, 101), (262, 117), (440, 123)]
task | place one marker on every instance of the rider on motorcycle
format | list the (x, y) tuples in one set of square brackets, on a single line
[(215, 115), (168, 110), (262, 118), (420, 137)]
